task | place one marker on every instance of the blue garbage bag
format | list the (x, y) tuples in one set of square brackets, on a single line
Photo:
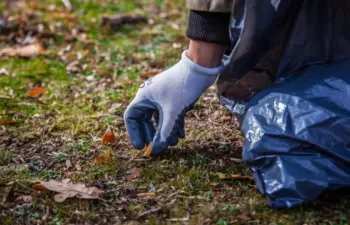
[(296, 129), (297, 135)]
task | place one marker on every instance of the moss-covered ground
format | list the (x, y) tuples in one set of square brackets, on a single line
[(90, 73)]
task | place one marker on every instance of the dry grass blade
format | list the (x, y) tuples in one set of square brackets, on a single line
[(146, 194), (148, 212), (234, 177)]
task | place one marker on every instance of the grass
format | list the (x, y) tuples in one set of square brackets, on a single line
[(68, 121)]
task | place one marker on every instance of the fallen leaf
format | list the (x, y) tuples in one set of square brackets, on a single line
[(146, 194), (103, 158), (120, 20), (67, 189), (234, 177), (148, 75), (133, 173), (109, 137), (24, 199), (39, 187), (4, 121), (68, 164), (148, 150), (36, 92), (74, 67), (31, 50), (242, 217)]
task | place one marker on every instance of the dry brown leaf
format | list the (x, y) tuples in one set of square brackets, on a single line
[(31, 50), (67, 189), (24, 199), (36, 92), (148, 75), (109, 137), (242, 217), (4, 121), (68, 164), (148, 150), (234, 177), (39, 187), (133, 173), (103, 158), (146, 194)]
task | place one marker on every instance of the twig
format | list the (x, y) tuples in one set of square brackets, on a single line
[(49, 166), (140, 160), (122, 157), (145, 213), (179, 219)]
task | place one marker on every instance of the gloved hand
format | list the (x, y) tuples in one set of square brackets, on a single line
[(167, 96)]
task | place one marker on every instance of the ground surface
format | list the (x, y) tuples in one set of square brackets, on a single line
[(90, 73)]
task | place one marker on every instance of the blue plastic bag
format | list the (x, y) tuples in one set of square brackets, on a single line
[(297, 131), (297, 135)]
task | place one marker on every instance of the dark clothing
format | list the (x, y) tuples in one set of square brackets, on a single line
[(209, 27)]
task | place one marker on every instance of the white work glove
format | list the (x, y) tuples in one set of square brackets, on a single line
[(167, 96)]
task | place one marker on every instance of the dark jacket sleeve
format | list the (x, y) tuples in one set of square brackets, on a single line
[(209, 27)]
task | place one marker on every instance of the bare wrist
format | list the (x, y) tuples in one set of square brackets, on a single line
[(206, 54)]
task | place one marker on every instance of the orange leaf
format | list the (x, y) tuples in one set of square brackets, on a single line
[(36, 92), (39, 187), (145, 76), (4, 121), (147, 194), (148, 150), (103, 158), (109, 137), (235, 177)]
